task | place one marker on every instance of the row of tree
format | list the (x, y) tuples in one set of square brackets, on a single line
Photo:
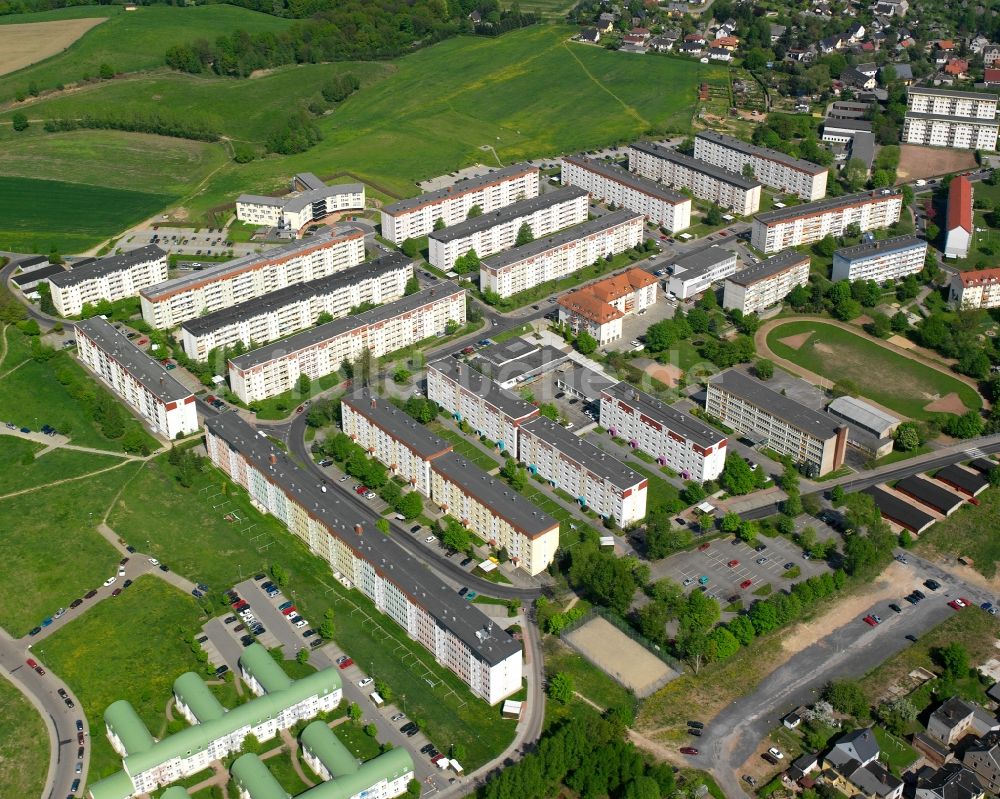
[(187, 127)]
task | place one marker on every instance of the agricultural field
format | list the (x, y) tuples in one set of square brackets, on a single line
[(24, 745), (28, 43), (905, 386)]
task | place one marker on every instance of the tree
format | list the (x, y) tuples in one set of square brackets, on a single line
[(825, 247), (561, 687), (653, 620), (737, 477), (303, 384), (953, 658), (20, 121), (382, 525), (969, 425), (470, 262), (524, 235), (907, 437), (455, 536), (847, 697), (898, 322), (855, 174), (412, 286), (731, 522), (474, 211), (663, 538), (413, 789), (837, 495), (135, 441), (714, 215), (326, 627), (302, 656), (411, 505), (764, 369), (106, 72), (439, 224), (585, 343), (411, 248)]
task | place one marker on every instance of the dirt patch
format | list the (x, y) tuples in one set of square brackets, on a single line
[(796, 342), (949, 403), (620, 657), (927, 162), (901, 342), (666, 373), (28, 43), (826, 349)]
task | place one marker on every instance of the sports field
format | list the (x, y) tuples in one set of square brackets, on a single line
[(900, 384), (27, 43)]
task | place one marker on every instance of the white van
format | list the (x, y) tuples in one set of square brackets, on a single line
[(377, 700)]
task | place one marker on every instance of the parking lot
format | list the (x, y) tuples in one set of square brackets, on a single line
[(188, 241)]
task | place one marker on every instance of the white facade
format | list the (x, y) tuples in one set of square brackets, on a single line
[(766, 284), (958, 240), (113, 278), (612, 184), (677, 440), (695, 272), (890, 259), (295, 212), (774, 169), (219, 287), (706, 181), (980, 289), (944, 118), (599, 308), (411, 219), (560, 255), (321, 351), (497, 231), (804, 224), (142, 383)]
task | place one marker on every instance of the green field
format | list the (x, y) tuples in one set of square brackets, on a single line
[(37, 215), (24, 745), (898, 383), (964, 534), (19, 469), (128, 41), (130, 647)]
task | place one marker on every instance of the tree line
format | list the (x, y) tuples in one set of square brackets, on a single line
[(137, 122)]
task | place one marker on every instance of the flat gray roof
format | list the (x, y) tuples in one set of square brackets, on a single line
[(950, 93), (459, 188), (847, 124), (507, 351), (299, 201), (869, 249), (824, 205), (700, 261), (536, 362), (482, 386), (137, 363), (774, 265), (950, 118), (695, 164), (583, 452), (761, 152), (751, 390), (106, 266), (507, 213), (315, 335), (297, 292), (461, 618), (585, 381), (397, 423), (868, 416), (494, 494), (683, 423), (223, 270), (574, 233), (614, 172)]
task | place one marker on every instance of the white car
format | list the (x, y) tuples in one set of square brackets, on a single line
[(121, 571), (776, 753), (154, 561), (110, 581), (688, 581), (365, 682)]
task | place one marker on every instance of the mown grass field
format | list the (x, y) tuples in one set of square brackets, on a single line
[(24, 745), (970, 533), (903, 385), (20, 469)]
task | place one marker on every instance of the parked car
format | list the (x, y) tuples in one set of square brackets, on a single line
[(776, 753), (688, 750), (364, 682), (733, 564), (746, 584), (933, 585)]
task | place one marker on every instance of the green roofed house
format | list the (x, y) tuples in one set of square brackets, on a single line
[(325, 753), (195, 701), (174, 792), (118, 786), (126, 731), (385, 776), (254, 780), (261, 672)]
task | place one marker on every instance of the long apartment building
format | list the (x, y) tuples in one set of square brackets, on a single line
[(725, 188), (456, 633), (889, 259), (948, 118), (484, 504), (312, 201), (472, 397), (600, 307), (293, 308), (321, 351), (767, 283), (610, 183), (170, 303), (772, 168), (979, 289), (745, 404), (497, 231), (562, 254), (676, 439), (416, 217), (113, 278), (804, 224), (574, 465), (167, 406), (216, 731)]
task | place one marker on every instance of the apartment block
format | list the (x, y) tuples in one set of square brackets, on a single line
[(696, 271), (456, 633), (170, 303), (980, 289), (144, 385), (804, 224), (889, 259), (313, 200), (946, 118), (497, 231), (676, 439), (809, 437), (599, 308), (113, 278), (574, 465), (382, 777), (610, 183), (762, 285), (472, 397), (297, 307), (772, 168), (725, 188), (416, 217), (320, 351), (562, 254)]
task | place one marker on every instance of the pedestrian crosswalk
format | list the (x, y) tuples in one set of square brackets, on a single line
[(975, 453)]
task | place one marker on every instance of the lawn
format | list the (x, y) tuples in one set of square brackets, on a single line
[(182, 526), (50, 550), (898, 383), (130, 647), (19, 469), (659, 493), (588, 680), (24, 745), (965, 534), (281, 767), (895, 752), (362, 745), (465, 447)]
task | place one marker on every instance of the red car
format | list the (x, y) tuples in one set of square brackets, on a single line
[(704, 546), (870, 621), (733, 564), (688, 750), (345, 663), (143, 341), (288, 611), (746, 584), (957, 604), (31, 662), (361, 490), (209, 399)]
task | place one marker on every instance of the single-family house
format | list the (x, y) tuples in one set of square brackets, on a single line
[(661, 44), (777, 31), (643, 32), (831, 43), (956, 718), (957, 67), (900, 72), (690, 48), (942, 50), (852, 77), (869, 69), (977, 44), (856, 32), (606, 22), (990, 54), (727, 42), (720, 54), (590, 35), (991, 76)]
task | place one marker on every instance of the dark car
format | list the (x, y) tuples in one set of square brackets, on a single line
[(221, 670), (79, 738), (912, 638), (895, 608), (35, 631), (79, 753), (919, 594), (79, 725), (126, 584), (229, 619), (696, 724), (202, 587), (123, 561), (196, 593), (760, 547), (246, 640), (90, 594), (130, 549), (695, 732), (934, 585), (770, 758), (415, 528), (308, 633), (316, 643), (465, 561), (164, 567), (688, 750), (463, 591), (260, 576), (407, 727), (76, 603)]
